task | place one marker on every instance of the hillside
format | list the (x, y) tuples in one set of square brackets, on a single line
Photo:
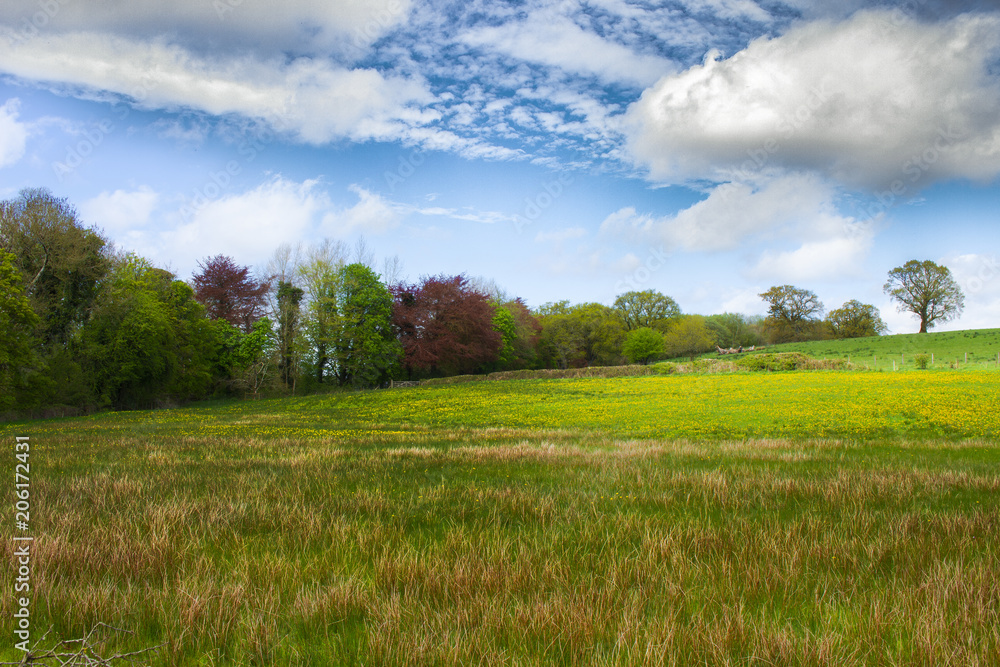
[(949, 348)]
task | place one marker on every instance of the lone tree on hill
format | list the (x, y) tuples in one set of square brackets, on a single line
[(927, 290)]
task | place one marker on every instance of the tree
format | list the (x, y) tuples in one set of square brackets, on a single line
[(129, 342), (735, 329), (61, 263), (366, 348), (586, 334), (792, 314), (642, 345), (228, 292), (927, 290), (17, 321), (288, 297), (688, 338), (648, 308), (445, 327), (856, 320), (253, 354), (318, 277), (520, 331)]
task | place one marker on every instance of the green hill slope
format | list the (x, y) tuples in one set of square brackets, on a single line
[(976, 349)]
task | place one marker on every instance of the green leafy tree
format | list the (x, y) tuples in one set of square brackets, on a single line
[(521, 332), (689, 337), (253, 356), (62, 264), (648, 308), (318, 277), (927, 290), (735, 330), (856, 320), (643, 345), (506, 325), (17, 320), (587, 334), (366, 348), (792, 314), (129, 341)]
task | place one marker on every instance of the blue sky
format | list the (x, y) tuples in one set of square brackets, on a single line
[(568, 150)]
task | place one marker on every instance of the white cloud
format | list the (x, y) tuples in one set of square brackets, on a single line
[(830, 259), (13, 134), (313, 99), (120, 211), (467, 214), (979, 277), (735, 215), (252, 224), (869, 101), (372, 214), (549, 38)]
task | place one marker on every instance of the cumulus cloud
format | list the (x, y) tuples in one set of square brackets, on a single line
[(828, 259), (251, 224), (871, 101), (796, 212), (978, 275), (737, 214), (314, 99), (119, 211), (372, 214), (13, 134)]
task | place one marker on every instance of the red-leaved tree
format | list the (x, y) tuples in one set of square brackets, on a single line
[(229, 293), (445, 326)]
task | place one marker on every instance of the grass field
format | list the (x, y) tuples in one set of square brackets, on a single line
[(964, 350), (821, 518)]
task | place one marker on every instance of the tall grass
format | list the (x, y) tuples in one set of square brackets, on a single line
[(488, 545)]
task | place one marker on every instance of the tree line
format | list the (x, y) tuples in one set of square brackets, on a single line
[(85, 326)]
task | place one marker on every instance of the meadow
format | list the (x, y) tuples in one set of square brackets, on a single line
[(808, 518)]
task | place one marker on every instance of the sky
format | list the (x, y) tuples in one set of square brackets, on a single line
[(567, 150)]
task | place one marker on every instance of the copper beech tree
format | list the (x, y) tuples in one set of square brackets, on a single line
[(229, 293), (445, 327)]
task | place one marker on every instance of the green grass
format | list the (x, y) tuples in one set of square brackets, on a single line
[(881, 352), (578, 522)]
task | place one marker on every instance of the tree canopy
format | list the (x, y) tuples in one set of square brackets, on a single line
[(648, 308), (228, 292), (856, 320), (792, 313), (445, 326)]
